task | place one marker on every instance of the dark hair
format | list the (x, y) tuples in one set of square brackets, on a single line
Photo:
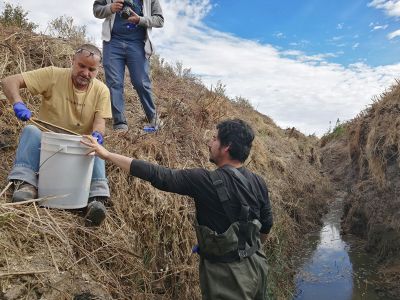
[(91, 49), (238, 135)]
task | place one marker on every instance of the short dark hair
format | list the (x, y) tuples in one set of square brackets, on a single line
[(92, 49), (238, 135)]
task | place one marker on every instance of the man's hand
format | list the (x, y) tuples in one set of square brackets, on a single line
[(95, 147), (21, 111), (117, 5), (134, 18)]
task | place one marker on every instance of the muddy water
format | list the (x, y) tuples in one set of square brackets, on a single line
[(333, 268)]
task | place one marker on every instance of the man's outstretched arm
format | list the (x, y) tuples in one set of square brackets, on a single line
[(183, 182)]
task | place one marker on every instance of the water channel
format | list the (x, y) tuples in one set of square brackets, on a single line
[(333, 267)]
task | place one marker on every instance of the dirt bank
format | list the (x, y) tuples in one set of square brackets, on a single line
[(364, 159), (143, 251)]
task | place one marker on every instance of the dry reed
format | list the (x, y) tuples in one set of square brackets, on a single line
[(143, 250)]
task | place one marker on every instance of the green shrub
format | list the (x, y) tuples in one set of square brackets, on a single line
[(336, 132), (16, 16), (64, 27)]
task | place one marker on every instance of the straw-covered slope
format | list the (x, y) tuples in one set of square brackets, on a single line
[(365, 160), (143, 250)]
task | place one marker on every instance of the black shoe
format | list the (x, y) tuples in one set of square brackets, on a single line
[(96, 211), (24, 191)]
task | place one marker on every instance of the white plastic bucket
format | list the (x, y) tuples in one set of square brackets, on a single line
[(64, 169)]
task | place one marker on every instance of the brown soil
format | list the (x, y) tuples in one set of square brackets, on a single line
[(143, 250), (364, 160)]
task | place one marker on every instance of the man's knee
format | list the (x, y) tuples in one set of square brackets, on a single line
[(32, 131), (141, 85), (114, 81)]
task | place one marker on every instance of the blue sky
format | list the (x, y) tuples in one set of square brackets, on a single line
[(351, 31), (303, 63)]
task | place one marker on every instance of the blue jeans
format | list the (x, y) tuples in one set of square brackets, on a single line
[(117, 54), (27, 159)]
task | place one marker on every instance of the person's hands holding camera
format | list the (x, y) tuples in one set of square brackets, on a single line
[(117, 5), (21, 111), (134, 18)]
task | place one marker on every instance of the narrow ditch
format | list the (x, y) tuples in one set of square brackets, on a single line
[(333, 266)]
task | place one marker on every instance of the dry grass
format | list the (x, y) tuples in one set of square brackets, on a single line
[(143, 251), (370, 169)]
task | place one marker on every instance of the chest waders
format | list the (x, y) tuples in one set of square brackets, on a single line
[(231, 265)]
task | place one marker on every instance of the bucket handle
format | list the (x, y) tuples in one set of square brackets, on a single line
[(61, 149)]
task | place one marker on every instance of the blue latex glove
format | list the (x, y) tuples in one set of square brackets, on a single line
[(21, 111), (195, 249), (150, 129), (98, 136)]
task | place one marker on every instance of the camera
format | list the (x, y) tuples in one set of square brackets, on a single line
[(128, 7)]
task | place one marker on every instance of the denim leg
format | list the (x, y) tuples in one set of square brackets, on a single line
[(27, 158), (114, 69), (138, 67), (99, 184)]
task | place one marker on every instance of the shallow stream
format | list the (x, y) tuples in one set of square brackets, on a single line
[(334, 267)]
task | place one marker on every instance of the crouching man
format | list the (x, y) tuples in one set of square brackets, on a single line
[(71, 98)]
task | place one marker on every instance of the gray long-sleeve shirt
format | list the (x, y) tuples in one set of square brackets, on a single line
[(152, 17), (197, 184)]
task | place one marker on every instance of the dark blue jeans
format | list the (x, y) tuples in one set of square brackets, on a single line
[(118, 54)]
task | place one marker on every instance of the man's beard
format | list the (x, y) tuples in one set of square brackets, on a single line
[(212, 160)]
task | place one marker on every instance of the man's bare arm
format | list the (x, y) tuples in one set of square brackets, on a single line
[(99, 124), (11, 86)]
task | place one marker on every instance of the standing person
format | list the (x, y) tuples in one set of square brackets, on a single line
[(126, 42), (233, 211), (71, 98)]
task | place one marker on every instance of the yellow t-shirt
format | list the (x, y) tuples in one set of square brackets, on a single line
[(62, 104)]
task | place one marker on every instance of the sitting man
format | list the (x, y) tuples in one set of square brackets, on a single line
[(71, 98)]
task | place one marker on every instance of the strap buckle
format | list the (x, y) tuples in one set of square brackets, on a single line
[(242, 253), (218, 183)]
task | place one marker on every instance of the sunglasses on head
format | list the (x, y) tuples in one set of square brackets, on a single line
[(88, 53)]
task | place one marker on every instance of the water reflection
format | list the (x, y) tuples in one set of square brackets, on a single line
[(328, 271)]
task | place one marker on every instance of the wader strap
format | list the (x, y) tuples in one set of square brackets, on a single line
[(240, 176), (243, 227), (243, 220), (226, 258), (222, 193)]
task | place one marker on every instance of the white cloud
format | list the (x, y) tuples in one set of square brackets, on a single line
[(301, 43), (377, 27), (294, 88), (393, 34), (42, 11), (355, 46), (301, 56), (391, 7), (279, 35), (336, 38), (340, 26)]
